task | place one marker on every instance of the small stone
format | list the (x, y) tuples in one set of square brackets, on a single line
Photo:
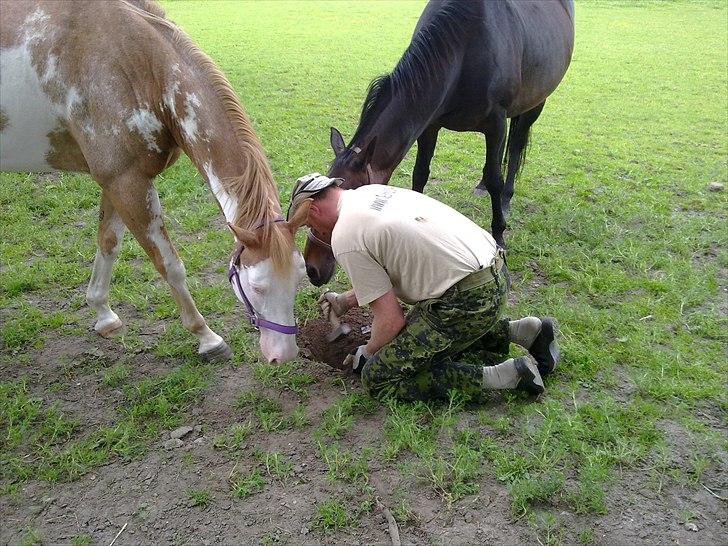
[(47, 500), (173, 443), (199, 441), (304, 530), (716, 186), (180, 432), (690, 526), (198, 428)]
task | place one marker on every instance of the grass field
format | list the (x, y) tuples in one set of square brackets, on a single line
[(613, 231)]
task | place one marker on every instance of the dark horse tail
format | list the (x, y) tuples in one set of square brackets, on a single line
[(517, 143)]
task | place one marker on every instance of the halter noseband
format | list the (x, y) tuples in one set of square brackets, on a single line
[(255, 320)]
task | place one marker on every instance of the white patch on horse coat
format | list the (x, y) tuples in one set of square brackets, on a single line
[(146, 124), (51, 69), (189, 122), (31, 115), (228, 203)]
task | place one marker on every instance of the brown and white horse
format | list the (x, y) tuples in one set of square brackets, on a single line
[(116, 90)]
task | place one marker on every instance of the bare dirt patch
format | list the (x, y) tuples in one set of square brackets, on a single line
[(313, 337)]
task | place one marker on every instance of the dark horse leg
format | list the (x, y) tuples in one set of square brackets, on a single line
[(425, 148), (516, 150), (492, 181)]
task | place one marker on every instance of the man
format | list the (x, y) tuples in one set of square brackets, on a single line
[(396, 244)]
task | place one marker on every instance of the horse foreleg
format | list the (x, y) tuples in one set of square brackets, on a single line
[(516, 150), (492, 180), (138, 204), (425, 149), (110, 234)]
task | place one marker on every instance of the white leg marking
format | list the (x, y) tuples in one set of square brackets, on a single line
[(97, 294), (191, 317)]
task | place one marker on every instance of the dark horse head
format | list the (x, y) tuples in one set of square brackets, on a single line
[(471, 66), (354, 166)]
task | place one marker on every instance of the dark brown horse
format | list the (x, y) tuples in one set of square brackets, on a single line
[(470, 66)]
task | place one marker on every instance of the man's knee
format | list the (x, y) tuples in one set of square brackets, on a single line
[(384, 380)]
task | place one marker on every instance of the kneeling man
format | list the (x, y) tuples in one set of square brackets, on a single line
[(397, 244)]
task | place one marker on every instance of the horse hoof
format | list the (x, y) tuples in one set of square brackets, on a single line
[(219, 353), (480, 190), (106, 330)]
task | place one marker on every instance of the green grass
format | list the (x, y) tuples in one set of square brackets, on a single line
[(613, 231), (332, 515), (199, 497), (248, 484)]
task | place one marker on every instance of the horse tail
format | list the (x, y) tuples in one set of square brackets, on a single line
[(517, 143)]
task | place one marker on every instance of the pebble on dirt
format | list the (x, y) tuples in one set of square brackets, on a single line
[(181, 432), (690, 526), (716, 186), (173, 443)]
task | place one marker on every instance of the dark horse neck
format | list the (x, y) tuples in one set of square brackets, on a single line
[(398, 123), (401, 105)]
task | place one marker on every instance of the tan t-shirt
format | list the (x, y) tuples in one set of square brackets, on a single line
[(388, 237)]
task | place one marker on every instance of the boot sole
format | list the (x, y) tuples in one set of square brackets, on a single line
[(527, 382), (550, 329)]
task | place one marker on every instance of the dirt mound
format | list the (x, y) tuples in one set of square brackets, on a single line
[(312, 337)]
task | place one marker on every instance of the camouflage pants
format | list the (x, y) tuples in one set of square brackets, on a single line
[(421, 362)]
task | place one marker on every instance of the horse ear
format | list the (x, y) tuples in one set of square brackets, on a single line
[(337, 141), (245, 236), (300, 216)]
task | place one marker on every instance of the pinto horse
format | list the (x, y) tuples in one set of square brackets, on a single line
[(116, 90), (469, 67)]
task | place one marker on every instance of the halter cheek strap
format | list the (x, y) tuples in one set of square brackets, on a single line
[(312, 237), (255, 320)]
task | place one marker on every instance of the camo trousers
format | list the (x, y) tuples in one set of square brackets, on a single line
[(421, 362)]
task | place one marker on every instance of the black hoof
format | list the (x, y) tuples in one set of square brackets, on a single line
[(530, 381), (545, 348), (480, 189)]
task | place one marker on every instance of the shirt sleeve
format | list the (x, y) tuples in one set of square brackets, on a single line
[(368, 279)]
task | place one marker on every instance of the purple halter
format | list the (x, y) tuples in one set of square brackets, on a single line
[(255, 320)]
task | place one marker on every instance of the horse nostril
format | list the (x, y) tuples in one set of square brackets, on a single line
[(274, 361), (312, 272)]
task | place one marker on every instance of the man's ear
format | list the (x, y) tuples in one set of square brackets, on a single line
[(337, 141), (244, 236), (300, 216)]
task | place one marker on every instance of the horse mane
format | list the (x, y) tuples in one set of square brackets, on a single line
[(424, 59), (254, 189)]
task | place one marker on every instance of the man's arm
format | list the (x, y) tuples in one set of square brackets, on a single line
[(388, 321)]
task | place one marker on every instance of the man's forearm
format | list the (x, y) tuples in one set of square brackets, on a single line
[(387, 323)]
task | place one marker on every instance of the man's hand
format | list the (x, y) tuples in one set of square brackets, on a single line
[(339, 303), (356, 359)]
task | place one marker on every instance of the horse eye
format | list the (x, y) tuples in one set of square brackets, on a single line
[(258, 289)]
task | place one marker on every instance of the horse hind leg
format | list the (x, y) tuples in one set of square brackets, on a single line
[(137, 201), (518, 136), (110, 235), (425, 149), (492, 180)]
